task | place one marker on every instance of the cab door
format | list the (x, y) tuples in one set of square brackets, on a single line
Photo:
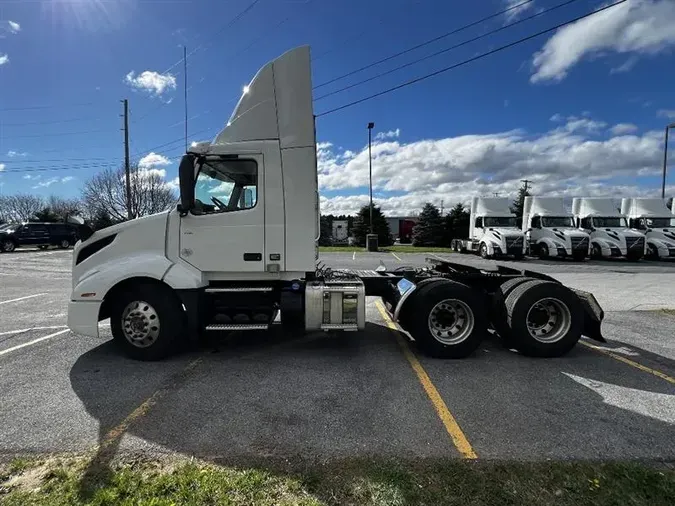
[(226, 230)]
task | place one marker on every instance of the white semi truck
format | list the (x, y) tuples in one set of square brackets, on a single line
[(493, 231), (240, 251), (551, 231), (652, 217), (610, 235)]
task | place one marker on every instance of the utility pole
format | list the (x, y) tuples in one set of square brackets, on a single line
[(126, 156), (441, 207), (665, 161), (527, 184), (370, 171), (185, 84)]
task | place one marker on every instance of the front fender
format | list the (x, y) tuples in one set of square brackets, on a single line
[(661, 247), (94, 284), (552, 245)]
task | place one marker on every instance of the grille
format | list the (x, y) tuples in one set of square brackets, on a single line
[(579, 242), (514, 242), (635, 242)]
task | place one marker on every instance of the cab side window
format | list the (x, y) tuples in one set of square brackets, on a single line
[(536, 222), (479, 222), (227, 185), (586, 223)]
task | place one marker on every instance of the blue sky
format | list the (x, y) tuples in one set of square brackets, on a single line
[(547, 109)]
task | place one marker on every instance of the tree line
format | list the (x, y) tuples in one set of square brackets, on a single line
[(102, 201)]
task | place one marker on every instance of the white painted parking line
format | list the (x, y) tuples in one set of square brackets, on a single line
[(354, 256), (21, 331), (439, 257), (21, 298), (396, 256), (34, 341)]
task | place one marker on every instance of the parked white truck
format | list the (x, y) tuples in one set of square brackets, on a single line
[(493, 231), (551, 231), (653, 218), (610, 235), (241, 249)]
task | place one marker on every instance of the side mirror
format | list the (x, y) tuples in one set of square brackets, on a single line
[(186, 183), (75, 219)]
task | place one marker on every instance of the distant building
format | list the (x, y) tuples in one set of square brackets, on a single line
[(401, 227), (340, 231)]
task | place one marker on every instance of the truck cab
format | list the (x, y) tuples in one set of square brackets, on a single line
[(608, 229), (652, 217), (551, 231), (493, 230)]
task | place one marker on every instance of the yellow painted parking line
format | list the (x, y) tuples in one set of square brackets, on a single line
[(116, 433), (631, 363), (451, 426), (396, 256)]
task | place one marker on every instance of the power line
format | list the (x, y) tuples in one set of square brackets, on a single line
[(57, 122), (22, 162), (470, 60), (181, 139), (36, 107), (59, 134), (426, 43), (62, 167), (432, 55)]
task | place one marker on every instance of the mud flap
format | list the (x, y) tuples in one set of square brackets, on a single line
[(593, 315)]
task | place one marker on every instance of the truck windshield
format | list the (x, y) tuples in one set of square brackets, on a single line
[(9, 226), (660, 222), (494, 221), (557, 221), (610, 222)]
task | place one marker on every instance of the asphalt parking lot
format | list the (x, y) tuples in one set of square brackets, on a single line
[(323, 396)]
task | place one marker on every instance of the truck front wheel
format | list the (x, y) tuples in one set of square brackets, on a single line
[(544, 319), (147, 322), (483, 250), (448, 320), (543, 251)]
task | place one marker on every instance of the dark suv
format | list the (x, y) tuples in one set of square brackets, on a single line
[(40, 235)]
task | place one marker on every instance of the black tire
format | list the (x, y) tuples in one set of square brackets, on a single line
[(483, 251), (652, 252), (596, 251), (426, 299), (578, 257), (64, 244), (542, 250), (169, 314), (498, 308), (523, 298), (7, 246)]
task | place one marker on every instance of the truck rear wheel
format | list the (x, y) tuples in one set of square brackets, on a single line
[(448, 319), (544, 319), (498, 309), (147, 322)]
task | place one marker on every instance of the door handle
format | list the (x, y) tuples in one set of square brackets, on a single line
[(252, 257)]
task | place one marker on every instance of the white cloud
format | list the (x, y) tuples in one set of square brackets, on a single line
[(14, 27), (516, 12), (151, 81), (568, 160), (637, 27), (153, 160), (391, 134), (4, 58), (666, 113), (2, 167), (47, 183), (14, 154), (32, 177), (623, 128), (174, 184), (557, 118), (67, 178)]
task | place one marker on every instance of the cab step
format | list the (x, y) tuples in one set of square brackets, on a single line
[(236, 289), (231, 327)]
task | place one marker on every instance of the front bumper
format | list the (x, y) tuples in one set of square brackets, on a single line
[(83, 317)]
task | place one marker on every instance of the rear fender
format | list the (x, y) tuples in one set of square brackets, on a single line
[(593, 315)]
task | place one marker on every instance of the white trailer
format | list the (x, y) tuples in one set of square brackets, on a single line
[(551, 231), (241, 250), (653, 218), (493, 231), (608, 228)]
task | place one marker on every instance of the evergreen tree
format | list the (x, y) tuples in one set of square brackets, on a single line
[(361, 226), (46, 215), (102, 219), (519, 204), (326, 238), (429, 228)]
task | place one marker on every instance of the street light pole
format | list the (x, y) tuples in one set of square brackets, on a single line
[(370, 172), (665, 161)]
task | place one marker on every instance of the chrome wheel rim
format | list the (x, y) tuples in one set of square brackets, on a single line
[(451, 321), (140, 324), (548, 320)]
